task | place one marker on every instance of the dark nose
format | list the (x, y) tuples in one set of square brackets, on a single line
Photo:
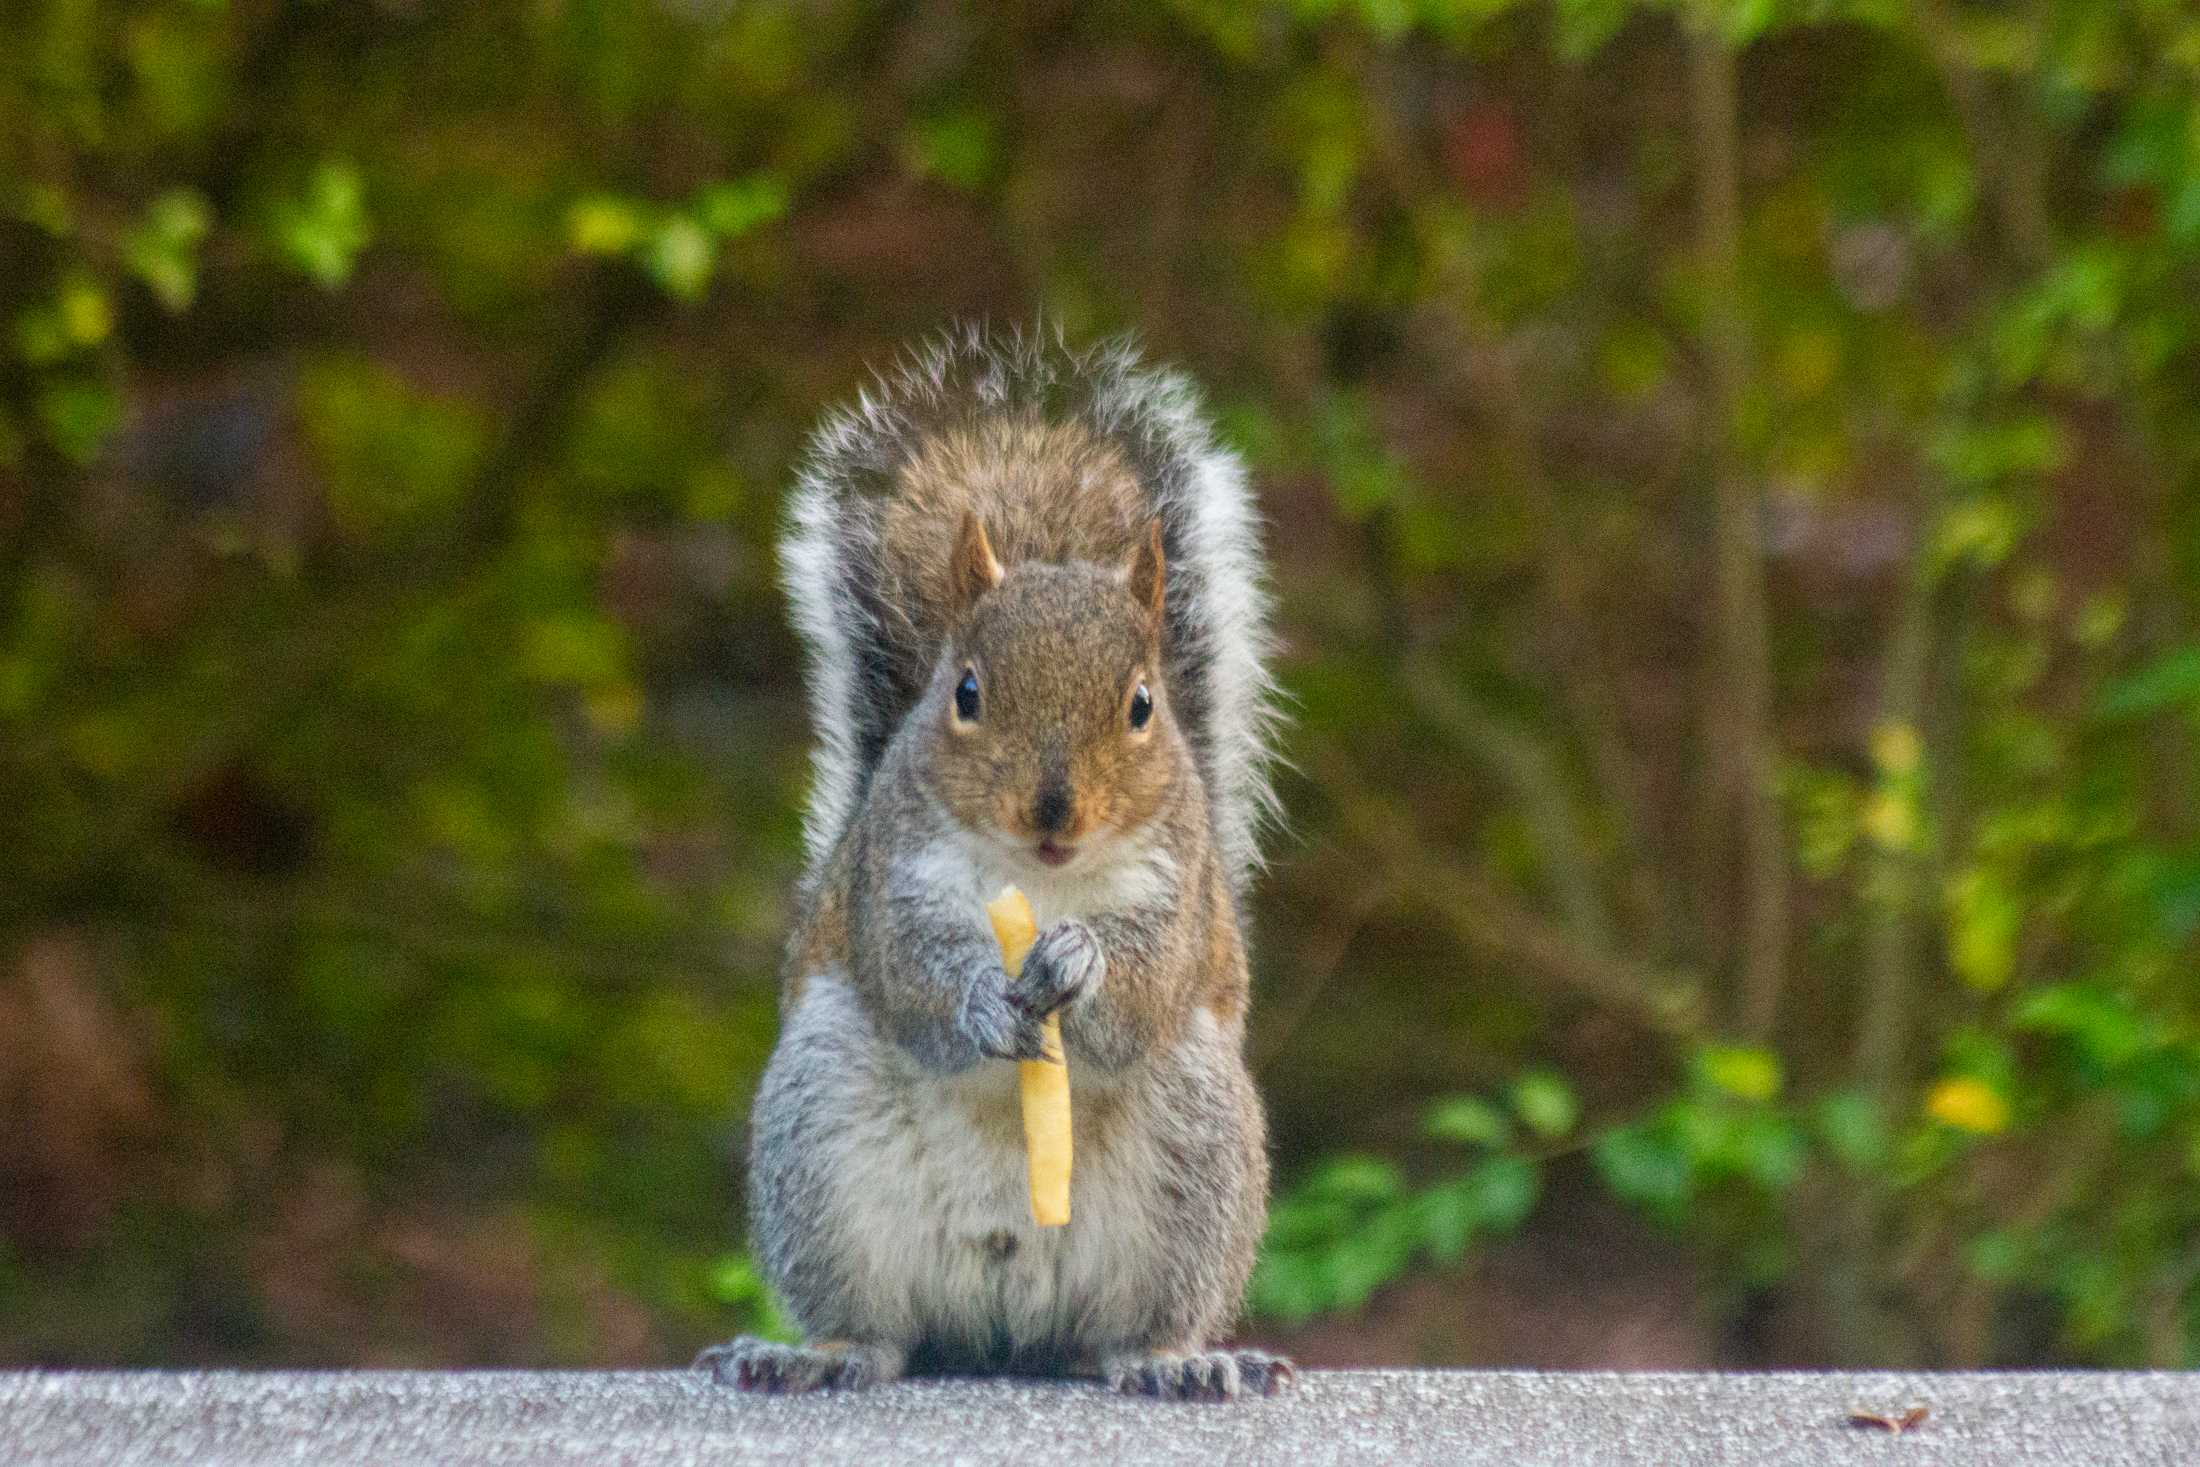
[(1051, 813)]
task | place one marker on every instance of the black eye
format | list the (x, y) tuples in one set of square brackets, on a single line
[(1141, 707), (966, 697)]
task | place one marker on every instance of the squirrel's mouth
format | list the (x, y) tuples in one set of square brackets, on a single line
[(1054, 853)]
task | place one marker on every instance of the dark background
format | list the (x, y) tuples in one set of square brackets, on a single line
[(1734, 475)]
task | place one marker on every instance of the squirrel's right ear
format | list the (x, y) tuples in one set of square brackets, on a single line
[(972, 571), (1149, 571)]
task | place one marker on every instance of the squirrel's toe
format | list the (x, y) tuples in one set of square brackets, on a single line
[(750, 1364), (1207, 1375), (1263, 1374)]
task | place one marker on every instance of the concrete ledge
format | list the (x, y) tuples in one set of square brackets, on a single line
[(674, 1419)]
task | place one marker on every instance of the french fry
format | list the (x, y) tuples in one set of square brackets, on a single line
[(1043, 1083)]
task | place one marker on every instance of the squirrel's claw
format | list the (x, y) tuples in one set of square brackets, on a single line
[(750, 1364), (1208, 1375), (1063, 966), (1020, 1035), (997, 1028), (1006, 1020)]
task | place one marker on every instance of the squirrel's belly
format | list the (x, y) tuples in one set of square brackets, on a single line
[(942, 1209), (909, 1190)]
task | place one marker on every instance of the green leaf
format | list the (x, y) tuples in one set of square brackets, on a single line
[(1374, 1255), (1999, 1256), (2171, 681), (1448, 1214), (1546, 1103), (1363, 474), (604, 224), (736, 1283), (85, 313), (2153, 1090), (1852, 1128), (1984, 923), (40, 338), (1365, 1179), (1643, 1164), (320, 230), (1287, 1286), (163, 248), (1769, 1150), (1585, 25), (1745, 1073), (1468, 1120), (1386, 20), (1503, 1191), (1745, 20), (2103, 1025), (730, 210), (79, 416), (680, 256), (390, 455), (2175, 891), (959, 149), (576, 648)]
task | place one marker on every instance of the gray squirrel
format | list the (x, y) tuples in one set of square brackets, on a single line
[(1031, 587)]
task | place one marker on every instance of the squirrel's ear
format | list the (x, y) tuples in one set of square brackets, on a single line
[(972, 571), (1149, 569)]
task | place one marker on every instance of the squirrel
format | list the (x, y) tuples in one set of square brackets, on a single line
[(1031, 588)]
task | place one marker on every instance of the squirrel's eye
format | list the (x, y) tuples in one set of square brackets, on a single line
[(966, 697), (1141, 707)]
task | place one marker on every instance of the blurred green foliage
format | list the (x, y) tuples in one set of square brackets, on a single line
[(1736, 480)]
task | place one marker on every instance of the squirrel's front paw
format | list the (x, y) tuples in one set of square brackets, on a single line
[(996, 1028), (1063, 966), (1005, 1018)]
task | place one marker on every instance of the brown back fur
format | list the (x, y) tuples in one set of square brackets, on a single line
[(1048, 492)]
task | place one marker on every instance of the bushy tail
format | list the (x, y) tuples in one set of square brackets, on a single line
[(859, 576)]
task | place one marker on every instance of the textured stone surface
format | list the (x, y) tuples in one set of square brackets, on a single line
[(671, 1419)]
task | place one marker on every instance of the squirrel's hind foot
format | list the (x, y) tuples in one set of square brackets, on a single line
[(1208, 1375), (750, 1364)]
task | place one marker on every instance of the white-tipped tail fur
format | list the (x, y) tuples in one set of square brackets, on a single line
[(1218, 639)]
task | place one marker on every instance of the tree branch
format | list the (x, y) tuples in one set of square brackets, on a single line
[(1483, 915), (1890, 940), (1483, 378), (1524, 765), (1738, 712)]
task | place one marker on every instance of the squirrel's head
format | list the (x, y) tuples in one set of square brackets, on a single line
[(1053, 729)]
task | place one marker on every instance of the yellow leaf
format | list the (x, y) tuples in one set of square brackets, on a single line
[(602, 225), (1749, 1074), (1891, 820), (1897, 749), (614, 708), (1808, 361), (1968, 1104), (85, 314), (1984, 922)]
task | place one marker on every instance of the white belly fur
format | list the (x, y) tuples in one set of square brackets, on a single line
[(1109, 879), (928, 1171), (928, 1176)]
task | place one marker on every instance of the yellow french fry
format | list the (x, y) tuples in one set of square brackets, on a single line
[(1044, 1083)]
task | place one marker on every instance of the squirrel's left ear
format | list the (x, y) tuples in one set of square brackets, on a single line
[(1149, 570), (972, 570)]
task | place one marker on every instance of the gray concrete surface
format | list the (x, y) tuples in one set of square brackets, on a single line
[(672, 1419)]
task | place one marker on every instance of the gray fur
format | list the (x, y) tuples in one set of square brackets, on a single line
[(864, 671), (887, 1155), (888, 1192), (882, 1189)]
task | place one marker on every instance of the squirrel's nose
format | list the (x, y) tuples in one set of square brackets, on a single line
[(1051, 812)]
